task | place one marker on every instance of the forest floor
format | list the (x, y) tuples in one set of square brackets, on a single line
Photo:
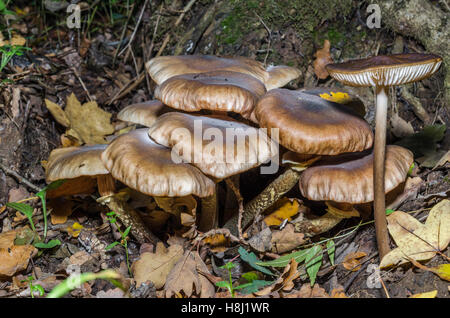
[(103, 62)]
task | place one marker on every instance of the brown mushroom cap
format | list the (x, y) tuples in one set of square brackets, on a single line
[(280, 75), (218, 90), (349, 178), (250, 148), (143, 113), (385, 70), (164, 67), (311, 125), (74, 162), (147, 167)]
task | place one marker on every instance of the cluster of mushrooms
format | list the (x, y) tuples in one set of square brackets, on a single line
[(326, 145)]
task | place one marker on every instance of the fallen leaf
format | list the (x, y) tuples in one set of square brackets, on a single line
[(7, 239), (323, 57), (424, 241), (337, 97), (155, 267), (400, 127), (338, 293), (14, 259), (261, 241), (88, 120), (443, 270), (75, 229), (352, 261), (431, 294), (306, 291), (287, 209), (285, 282), (185, 277), (410, 190), (444, 159), (57, 113), (286, 239)]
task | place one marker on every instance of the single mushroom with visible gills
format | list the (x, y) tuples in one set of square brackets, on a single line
[(143, 165), (73, 163), (144, 113), (382, 72), (308, 125), (219, 148), (220, 91), (346, 180), (162, 68)]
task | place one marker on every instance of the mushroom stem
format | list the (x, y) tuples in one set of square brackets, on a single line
[(274, 191), (128, 216), (378, 171), (209, 218)]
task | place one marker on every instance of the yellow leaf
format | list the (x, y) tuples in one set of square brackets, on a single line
[(431, 294), (338, 97), (75, 229), (89, 121), (287, 210), (57, 112), (443, 271)]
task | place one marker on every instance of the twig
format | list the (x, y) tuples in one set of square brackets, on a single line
[(19, 178), (135, 30), (177, 22), (82, 83), (128, 88), (122, 35)]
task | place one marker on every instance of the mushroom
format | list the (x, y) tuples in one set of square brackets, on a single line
[(74, 163), (309, 125), (143, 114), (383, 72), (143, 165), (217, 91), (345, 180), (219, 148), (164, 67)]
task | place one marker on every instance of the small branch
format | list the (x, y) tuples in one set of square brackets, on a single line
[(19, 178)]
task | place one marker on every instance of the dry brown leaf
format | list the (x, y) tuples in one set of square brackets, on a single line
[(185, 278), (156, 266), (61, 210), (338, 293), (14, 259), (286, 239), (90, 122), (445, 158), (352, 261), (323, 58), (424, 241), (285, 282), (400, 127), (57, 113), (307, 292), (7, 239)]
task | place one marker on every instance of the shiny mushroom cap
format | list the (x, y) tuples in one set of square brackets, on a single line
[(349, 178), (217, 91), (164, 67), (74, 162), (312, 125), (386, 70), (143, 114), (150, 168), (280, 75), (219, 148)]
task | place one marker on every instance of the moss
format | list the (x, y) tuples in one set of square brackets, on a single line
[(303, 15)]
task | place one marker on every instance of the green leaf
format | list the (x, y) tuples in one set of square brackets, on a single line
[(250, 276), (50, 244), (313, 261), (2, 5), (54, 185), (229, 266), (112, 213), (282, 261), (38, 288), (25, 209), (125, 233), (223, 284), (331, 249), (389, 211), (253, 287), (251, 259), (110, 246)]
